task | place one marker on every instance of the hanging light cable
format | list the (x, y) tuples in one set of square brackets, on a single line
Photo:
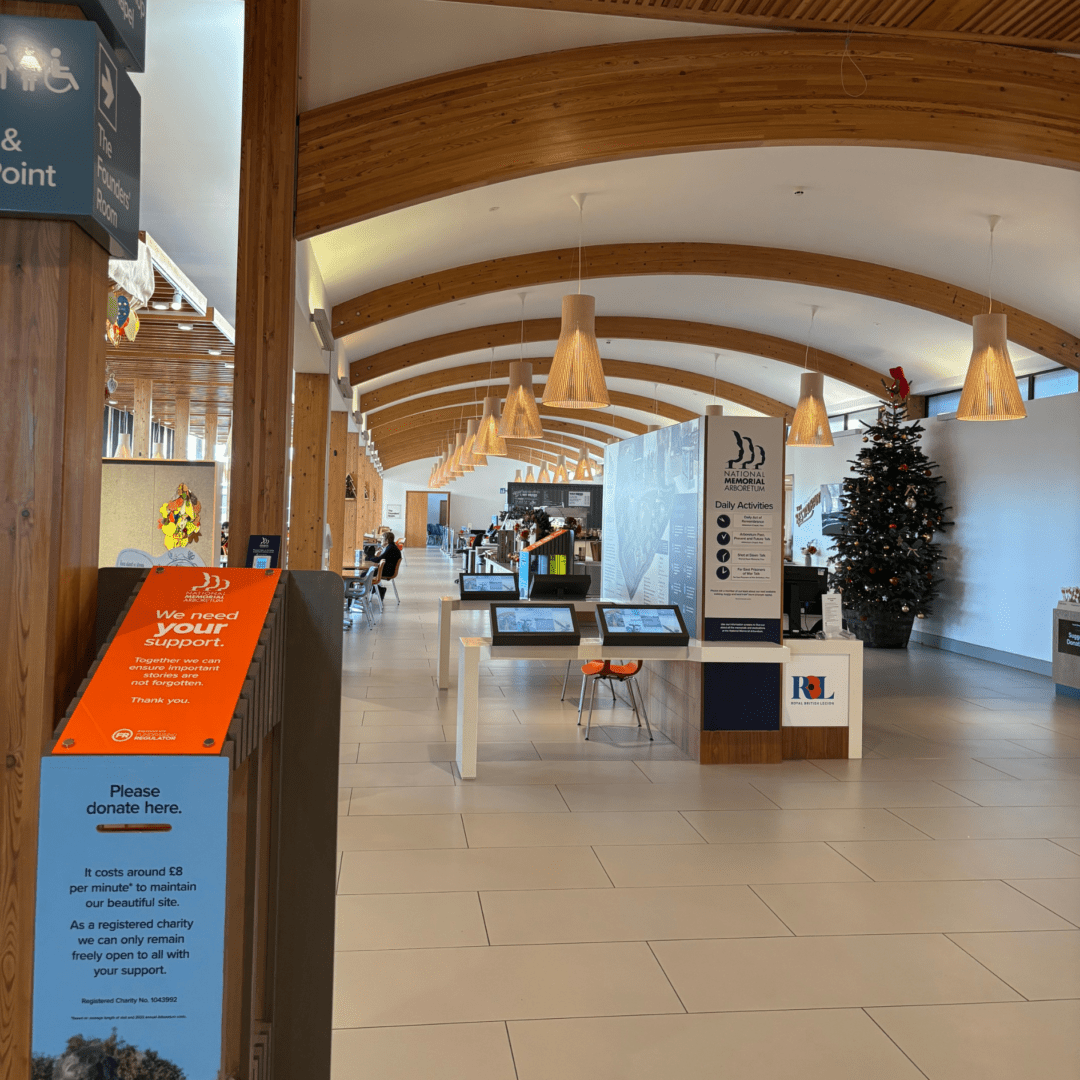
[(488, 440), (810, 424), (521, 418), (990, 388), (577, 374)]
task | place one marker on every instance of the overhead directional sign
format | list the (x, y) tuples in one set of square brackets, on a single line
[(123, 22), (70, 123)]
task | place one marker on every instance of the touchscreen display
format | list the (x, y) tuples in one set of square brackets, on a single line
[(488, 582), (642, 621), (547, 620)]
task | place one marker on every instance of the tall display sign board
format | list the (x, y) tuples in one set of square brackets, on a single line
[(70, 130), (123, 22), (744, 506)]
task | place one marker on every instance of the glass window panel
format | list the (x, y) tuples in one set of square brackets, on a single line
[(942, 403), (869, 415), (836, 423), (1052, 383)]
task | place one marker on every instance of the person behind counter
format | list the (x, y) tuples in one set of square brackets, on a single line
[(389, 556)]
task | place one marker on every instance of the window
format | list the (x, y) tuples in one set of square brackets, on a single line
[(942, 403), (1053, 383)]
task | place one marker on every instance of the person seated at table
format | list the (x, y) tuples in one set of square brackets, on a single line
[(389, 556)]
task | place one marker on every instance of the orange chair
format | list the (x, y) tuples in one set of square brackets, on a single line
[(604, 670)]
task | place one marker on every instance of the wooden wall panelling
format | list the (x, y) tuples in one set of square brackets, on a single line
[(815, 742), (181, 424), (140, 428), (53, 286), (335, 490), (1043, 24), (372, 154), (210, 432), (700, 259), (352, 467), (741, 748), (631, 327), (308, 499), (265, 276), (416, 517)]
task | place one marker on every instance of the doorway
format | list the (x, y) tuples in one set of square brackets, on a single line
[(427, 517)]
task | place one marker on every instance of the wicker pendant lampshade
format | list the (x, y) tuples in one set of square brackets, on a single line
[(473, 429), (520, 417), (517, 477), (463, 464), (990, 390), (530, 477), (584, 468), (560, 472), (453, 467), (810, 424), (545, 476), (488, 440), (577, 375)]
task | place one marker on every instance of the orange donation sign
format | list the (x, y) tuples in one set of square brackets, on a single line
[(170, 680)]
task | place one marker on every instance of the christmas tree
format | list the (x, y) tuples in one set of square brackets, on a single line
[(886, 562)]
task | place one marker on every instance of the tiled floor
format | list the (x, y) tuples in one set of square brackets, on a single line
[(611, 911)]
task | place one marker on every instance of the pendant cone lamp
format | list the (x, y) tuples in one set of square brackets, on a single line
[(520, 416), (584, 468), (466, 459), (459, 454), (530, 478), (545, 476), (488, 440), (453, 470), (478, 460), (810, 424), (576, 380), (990, 389), (517, 477), (560, 472)]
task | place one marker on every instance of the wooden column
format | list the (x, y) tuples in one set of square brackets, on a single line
[(265, 277), (308, 503), (352, 468), (53, 290), (144, 403), (335, 488), (181, 425), (210, 441)]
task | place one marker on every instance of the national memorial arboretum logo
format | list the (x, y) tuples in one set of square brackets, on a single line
[(744, 471), (212, 587)]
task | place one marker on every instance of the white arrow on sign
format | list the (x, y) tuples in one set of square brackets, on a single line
[(107, 86)]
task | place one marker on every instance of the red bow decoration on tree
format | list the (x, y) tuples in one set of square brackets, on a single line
[(900, 387)]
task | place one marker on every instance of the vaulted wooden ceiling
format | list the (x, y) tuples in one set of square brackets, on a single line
[(1051, 24)]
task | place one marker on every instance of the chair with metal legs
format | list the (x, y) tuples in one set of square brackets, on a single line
[(611, 673), (358, 590)]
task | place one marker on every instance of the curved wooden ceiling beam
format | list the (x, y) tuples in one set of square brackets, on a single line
[(627, 327), (616, 369), (451, 132), (703, 260), (410, 450)]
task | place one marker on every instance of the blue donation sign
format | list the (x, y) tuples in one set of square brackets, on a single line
[(130, 932), (70, 126), (123, 23)]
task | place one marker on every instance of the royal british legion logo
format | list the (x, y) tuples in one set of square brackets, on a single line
[(810, 688)]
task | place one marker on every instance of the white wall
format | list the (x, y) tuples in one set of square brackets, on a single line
[(473, 498), (1014, 493)]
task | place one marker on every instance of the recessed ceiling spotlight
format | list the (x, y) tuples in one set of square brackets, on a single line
[(177, 301), (799, 191), (185, 326), (230, 364), (160, 305), (214, 352)]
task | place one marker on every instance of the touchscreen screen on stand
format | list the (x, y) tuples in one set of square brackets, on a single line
[(547, 620), (495, 583), (642, 621)]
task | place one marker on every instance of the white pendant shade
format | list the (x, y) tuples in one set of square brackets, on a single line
[(545, 476), (560, 471), (990, 390), (577, 375), (488, 440), (810, 424), (520, 418), (478, 460)]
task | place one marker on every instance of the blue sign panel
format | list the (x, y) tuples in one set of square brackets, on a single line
[(69, 130), (123, 23), (130, 933)]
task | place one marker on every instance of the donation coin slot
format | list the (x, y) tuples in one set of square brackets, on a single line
[(128, 827)]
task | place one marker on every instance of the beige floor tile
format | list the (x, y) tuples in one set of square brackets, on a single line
[(515, 732), (949, 768), (825, 973), (1060, 895), (406, 688), (398, 833), (568, 915), (398, 774), (343, 800), (1043, 769), (441, 1052), (836, 1044), (456, 870), (409, 921), (941, 860), (988, 1042), (1069, 843), (782, 826), (462, 798), (1060, 746), (987, 822), (402, 718), (879, 793), (424, 733), (453, 986), (671, 772), (559, 772), (554, 830), (685, 796), (599, 750), (906, 907), (445, 751), (347, 752), (1039, 966), (724, 864), (1019, 792)]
